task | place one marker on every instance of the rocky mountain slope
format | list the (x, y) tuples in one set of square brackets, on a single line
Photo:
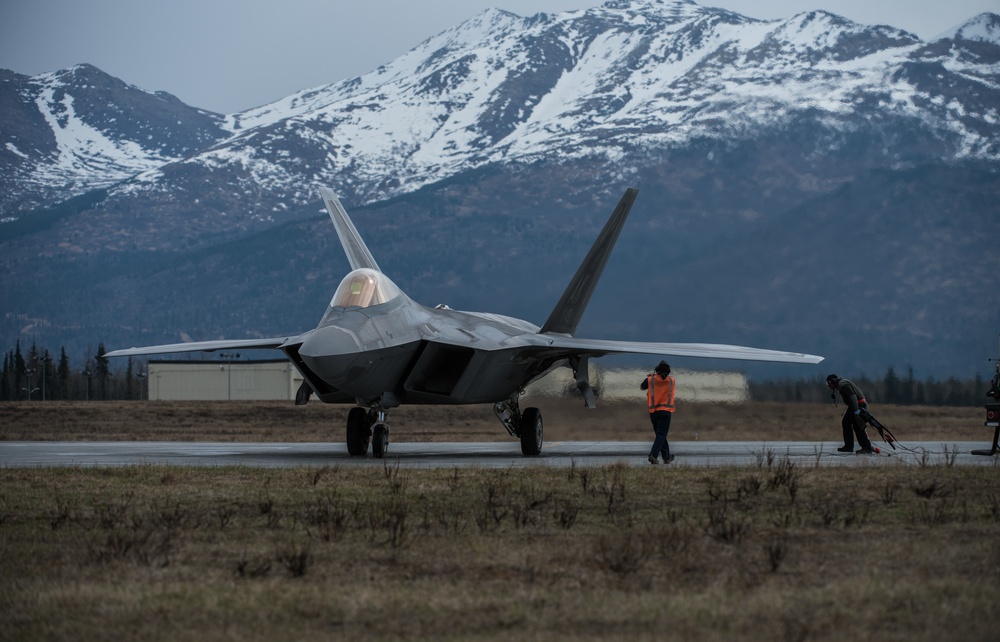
[(69, 132)]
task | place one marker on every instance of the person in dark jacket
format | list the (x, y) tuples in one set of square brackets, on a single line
[(994, 390), (853, 423), (660, 388)]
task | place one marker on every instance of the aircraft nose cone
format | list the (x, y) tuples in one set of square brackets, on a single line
[(330, 341), (331, 354)]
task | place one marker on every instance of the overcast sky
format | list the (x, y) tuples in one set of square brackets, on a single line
[(231, 55)]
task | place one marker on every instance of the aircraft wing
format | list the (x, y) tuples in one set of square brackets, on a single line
[(202, 346), (598, 347)]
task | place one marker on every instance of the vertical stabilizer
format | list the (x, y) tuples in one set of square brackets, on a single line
[(356, 250), (567, 313)]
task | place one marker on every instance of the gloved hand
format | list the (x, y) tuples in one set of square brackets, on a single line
[(857, 412)]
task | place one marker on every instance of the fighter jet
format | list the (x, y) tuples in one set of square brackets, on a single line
[(377, 348)]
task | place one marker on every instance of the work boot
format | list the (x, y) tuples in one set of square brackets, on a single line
[(653, 460), (667, 460), (845, 449), (866, 451)]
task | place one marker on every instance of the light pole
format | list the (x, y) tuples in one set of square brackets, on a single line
[(229, 356), (30, 390), (141, 376), (45, 371), (88, 374)]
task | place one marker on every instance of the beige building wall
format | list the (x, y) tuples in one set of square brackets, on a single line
[(221, 380), (616, 383)]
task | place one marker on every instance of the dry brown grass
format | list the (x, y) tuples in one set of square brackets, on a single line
[(771, 552), (565, 419)]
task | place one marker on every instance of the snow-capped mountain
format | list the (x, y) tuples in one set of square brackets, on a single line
[(773, 158), (68, 132), (606, 82), (983, 28), (630, 75)]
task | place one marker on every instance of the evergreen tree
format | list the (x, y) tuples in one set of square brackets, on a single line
[(19, 374), (953, 396), (5, 378), (88, 374), (31, 374), (63, 374), (908, 390), (892, 386), (101, 370), (46, 376), (129, 380), (18, 358)]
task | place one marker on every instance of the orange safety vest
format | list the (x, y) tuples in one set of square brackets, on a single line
[(660, 397)]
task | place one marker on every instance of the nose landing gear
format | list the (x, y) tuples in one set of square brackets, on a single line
[(380, 439), (364, 426)]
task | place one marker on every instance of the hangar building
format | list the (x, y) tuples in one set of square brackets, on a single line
[(221, 380)]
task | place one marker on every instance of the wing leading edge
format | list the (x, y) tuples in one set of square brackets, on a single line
[(202, 346), (572, 346)]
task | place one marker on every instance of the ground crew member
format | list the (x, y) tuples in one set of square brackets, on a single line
[(994, 390), (853, 423), (659, 388)]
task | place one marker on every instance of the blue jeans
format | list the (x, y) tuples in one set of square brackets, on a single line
[(661, 426)]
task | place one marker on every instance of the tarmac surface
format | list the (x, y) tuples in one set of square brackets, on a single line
[(482, 454)]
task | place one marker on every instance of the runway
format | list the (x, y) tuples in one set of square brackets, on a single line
[(18, 454)]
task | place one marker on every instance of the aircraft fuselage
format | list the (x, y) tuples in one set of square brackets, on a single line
[(402, 352)]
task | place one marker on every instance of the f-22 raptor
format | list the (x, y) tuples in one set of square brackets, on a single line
[(377, 348)]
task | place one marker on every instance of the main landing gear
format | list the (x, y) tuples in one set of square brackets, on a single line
[(364, 425), (526, 426)]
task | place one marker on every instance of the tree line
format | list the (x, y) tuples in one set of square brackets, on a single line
[(41, 376), (890, 388)]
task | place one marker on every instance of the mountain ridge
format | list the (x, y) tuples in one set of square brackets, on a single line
[(705, 63)]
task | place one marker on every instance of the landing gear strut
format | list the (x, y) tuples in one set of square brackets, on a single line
[(364, 425), (380, 434), (526, 426)]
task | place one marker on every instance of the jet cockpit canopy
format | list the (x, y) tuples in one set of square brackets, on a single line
[(364, 288)]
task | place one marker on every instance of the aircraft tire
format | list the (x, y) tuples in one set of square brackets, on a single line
[(357, 432), (531, 432), (380, 440)]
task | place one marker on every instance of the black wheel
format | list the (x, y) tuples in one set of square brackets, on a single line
[(380, 440), (531, 432), (358, 432)]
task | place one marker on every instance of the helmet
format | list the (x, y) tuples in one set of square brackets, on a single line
[(832, 379), (662, 369)]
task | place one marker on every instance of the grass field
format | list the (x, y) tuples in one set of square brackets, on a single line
[(771, 552), (564, 419), (775, 551)]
